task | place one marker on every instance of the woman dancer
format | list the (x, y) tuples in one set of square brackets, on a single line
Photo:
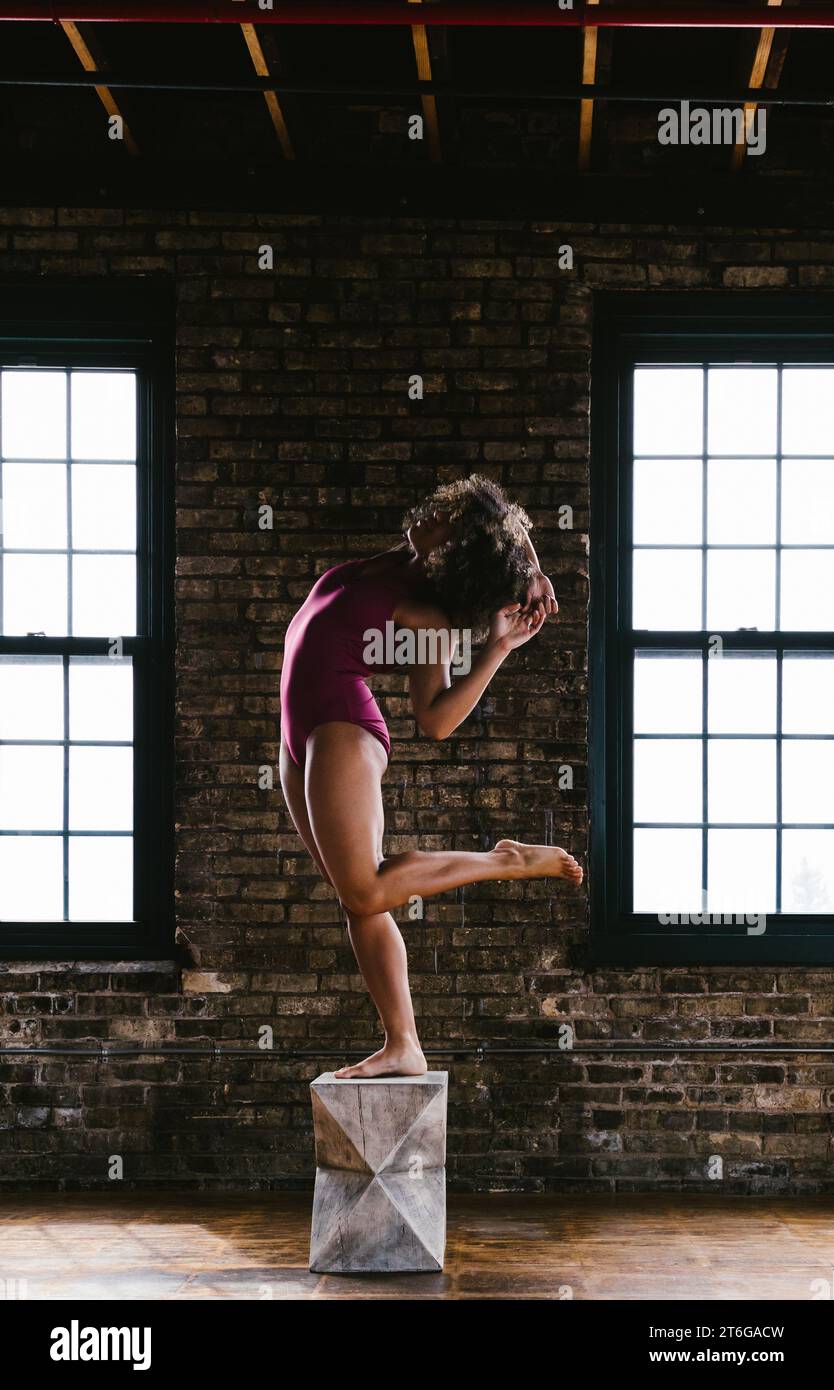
[(466, 562)]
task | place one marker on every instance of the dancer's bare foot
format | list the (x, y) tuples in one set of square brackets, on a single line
[(539, 861), (389, 1061)]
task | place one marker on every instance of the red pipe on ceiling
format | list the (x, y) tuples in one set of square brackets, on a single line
[(518, 13)]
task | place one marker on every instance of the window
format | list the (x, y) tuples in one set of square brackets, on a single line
[(713, 635), (85, 817)]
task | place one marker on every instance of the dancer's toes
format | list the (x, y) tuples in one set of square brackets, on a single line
[(540, 861), (389, 1061), (571, 869)]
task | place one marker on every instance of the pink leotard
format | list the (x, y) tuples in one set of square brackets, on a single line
[(323, 675)]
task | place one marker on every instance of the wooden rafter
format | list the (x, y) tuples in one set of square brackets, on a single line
[(586, 106), (103, 93), (273, 105), (758, 78), (427, 99)]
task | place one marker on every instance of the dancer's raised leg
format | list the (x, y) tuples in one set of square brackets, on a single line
[(344, 768)]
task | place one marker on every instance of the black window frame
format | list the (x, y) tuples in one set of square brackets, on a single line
[(677, 328), (113, 324)]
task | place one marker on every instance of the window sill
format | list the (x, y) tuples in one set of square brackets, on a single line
[(637, 946), (83, 964)]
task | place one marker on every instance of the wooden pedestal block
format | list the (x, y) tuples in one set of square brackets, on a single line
[(380, 1199)]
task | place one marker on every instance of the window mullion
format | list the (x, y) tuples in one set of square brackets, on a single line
[(778, 617), (705, 649), (705, 659), (779, 745), (68, 449), (2, 520), (737, 642), (65, 818)]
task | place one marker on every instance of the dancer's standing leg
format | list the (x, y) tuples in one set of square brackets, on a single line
[(379, 949)]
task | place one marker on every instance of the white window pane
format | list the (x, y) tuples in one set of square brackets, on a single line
[(103, 415), (101, 788), (31, 697), (808, 410), (667, 694), (808, 781), (667, 779), (667, 590), (808, 501), (35, 594), (34, 506), (808, 694), (100, 698), (104, 506), (741, 501), (667, 501), (742, 694), (742, 780), (742, 871), (808, 590), (742, 410), (668, 410), (667, 871), (34, 415), (100, 878), (808, 871), (741, 590), (104, 596), (31, 788), (31, 878)]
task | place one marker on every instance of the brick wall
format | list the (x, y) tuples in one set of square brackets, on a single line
[(292, 390)]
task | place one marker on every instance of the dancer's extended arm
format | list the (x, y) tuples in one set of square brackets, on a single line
[(440, 705)]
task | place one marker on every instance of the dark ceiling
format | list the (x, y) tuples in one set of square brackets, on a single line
[(501, 138)]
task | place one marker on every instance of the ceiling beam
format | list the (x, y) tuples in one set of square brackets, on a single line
[(586, 106), (758, 78), (427, 100), (273, 105), (104, 94), (693, 14)]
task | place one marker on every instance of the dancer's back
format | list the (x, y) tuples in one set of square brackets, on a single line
[(323, 677)]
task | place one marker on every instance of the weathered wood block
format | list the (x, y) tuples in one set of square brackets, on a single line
[(380, 1199)]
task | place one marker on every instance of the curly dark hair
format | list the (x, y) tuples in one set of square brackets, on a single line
[(485, 564)]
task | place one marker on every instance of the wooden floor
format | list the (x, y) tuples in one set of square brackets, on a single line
[(178, 1246)]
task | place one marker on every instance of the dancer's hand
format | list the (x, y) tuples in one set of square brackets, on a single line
[(540, 594), (512, 626)]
